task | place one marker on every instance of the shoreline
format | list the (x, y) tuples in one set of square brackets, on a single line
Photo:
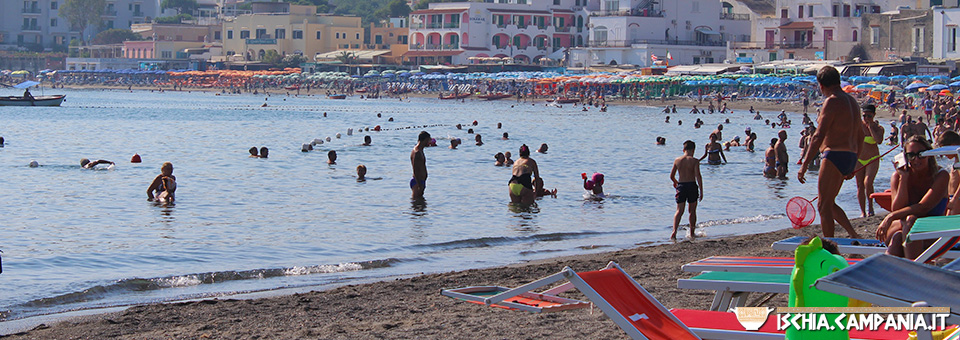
[(769, 109), (412, 307)]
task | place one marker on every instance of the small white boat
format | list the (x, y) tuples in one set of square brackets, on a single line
[(54, 100)]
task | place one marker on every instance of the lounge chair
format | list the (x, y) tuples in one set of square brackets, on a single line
[(745, 264), (945, 229), (734, 288), (866, 246), (891, 281), (641, 316)]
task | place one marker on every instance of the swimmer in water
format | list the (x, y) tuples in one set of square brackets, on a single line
[(332, 157), (714, 151), (501, 159), (770, 160), (538, 187), (521, 184), (593, 183), (367, 140), (361, 173), (543, 148), (479, 140), (454, 143), (505, 136), (264, 152), (163, 186), (509, 161), (87, 164), (418, 160)]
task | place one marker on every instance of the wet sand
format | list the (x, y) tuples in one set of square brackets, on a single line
[(413, 307)]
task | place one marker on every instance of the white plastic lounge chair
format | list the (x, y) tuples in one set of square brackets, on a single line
[(745, 264), (861, 246)]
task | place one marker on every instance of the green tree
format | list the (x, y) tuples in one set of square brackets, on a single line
[(83, 13), (182, 6), (347, 57), (114, 36), (292, 60), (271, 57), (395, 8), (176, 19)]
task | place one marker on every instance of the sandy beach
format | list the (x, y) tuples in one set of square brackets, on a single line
[(413, 308)]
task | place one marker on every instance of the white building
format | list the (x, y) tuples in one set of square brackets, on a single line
[(810, 29), (633, 31), (466, 32), (945, 26)]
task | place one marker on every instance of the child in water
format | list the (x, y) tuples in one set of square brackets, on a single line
[(689, 186), (594, 184), (163, 186)]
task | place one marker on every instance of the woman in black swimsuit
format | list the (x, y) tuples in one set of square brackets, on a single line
[(521, 184)]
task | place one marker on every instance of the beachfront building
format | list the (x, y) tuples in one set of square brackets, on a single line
[(897, 34), (946, 23), (37, 25), (640, 32), (811, 30), (288, 29), (513, 31)]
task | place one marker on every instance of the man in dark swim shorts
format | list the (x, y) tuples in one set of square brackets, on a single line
[(838, 136)]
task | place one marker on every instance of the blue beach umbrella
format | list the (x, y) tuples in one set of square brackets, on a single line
[(937, 87), (915, 86), (955, 84)]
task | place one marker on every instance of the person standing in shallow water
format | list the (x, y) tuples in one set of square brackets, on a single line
[(163, 186), (689, 187), (419, 162)]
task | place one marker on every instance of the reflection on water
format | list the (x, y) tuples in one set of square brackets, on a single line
[(418, 207)]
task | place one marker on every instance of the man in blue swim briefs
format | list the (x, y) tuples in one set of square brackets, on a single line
[(419, 181), (689, 187), (838, 137)]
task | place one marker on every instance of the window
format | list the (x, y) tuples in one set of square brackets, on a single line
[(875, 35), (261, 33), (810, 11), (952, 39), (298, 34), (230, 34), (244, 34), (378, 39), (800, 12), (110, 24), (557, 2), (696, 7), (358, 36), (280, 33), (338, 35), (216, 35), (166, 54), (59, 40), (773, 56), (319, 34), (611, 5), (54, 5), (53, 22), (846, 11), (836, 11), (497, 41), (600, 35), (784, 13), (855, 37), (918, 39)]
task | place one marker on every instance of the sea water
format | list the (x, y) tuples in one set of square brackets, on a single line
[(80, 239)]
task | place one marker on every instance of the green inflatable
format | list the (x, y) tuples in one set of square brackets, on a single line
[(812, 263)]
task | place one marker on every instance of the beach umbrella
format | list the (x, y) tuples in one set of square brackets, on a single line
[(915, 86), (936, 88), (26, 84), (849, 88), (865, 86), (945, 93), (955, 84)]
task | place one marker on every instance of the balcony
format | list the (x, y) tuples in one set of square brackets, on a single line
[(793, 45), (30, 11), (438, 47), (434, 25), (646, 13), (138, 14), (109, 13), (451, 25), (562, 29), (734, 16), (628, 43), (30, 28)]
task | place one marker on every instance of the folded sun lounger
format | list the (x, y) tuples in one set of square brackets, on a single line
[(945, 229), (641, 316), (734, 288), (863, 246), (890, 281), (745, 264)]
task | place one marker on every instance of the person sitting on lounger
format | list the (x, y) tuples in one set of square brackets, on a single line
[(919, 190)]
